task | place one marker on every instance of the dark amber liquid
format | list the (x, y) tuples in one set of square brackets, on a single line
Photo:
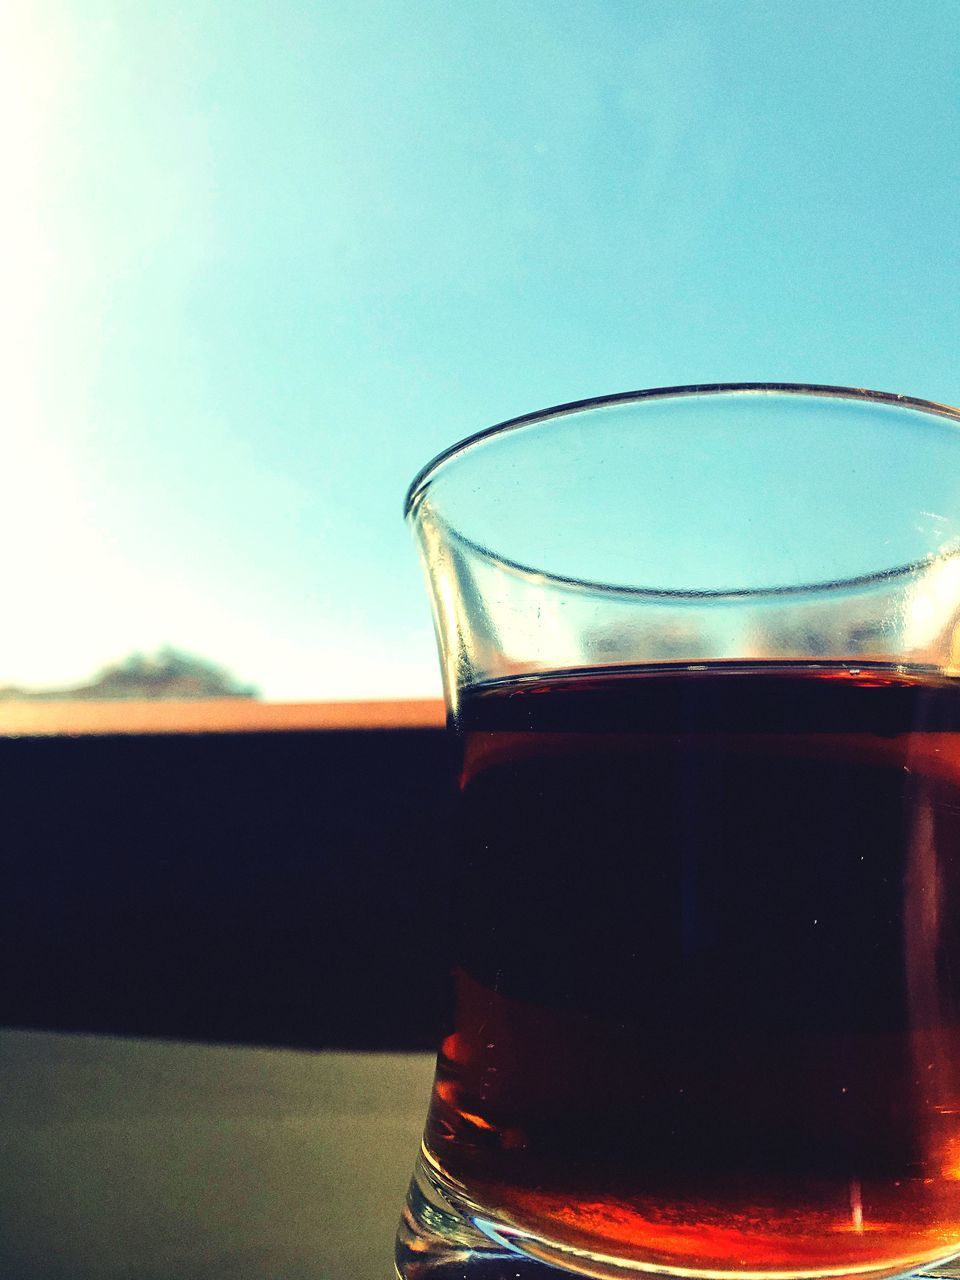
[(707, 967)]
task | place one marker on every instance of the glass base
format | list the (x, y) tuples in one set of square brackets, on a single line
[(438, 1241), (441, 1238)]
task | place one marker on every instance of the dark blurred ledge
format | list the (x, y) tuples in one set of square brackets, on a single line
[(271, 884)]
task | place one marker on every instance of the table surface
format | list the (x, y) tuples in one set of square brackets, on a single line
[(126, 1159), (152, 1159)]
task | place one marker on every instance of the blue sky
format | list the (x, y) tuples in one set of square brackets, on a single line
[(267, 259)]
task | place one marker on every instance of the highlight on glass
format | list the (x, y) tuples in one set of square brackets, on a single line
[(700, 650)]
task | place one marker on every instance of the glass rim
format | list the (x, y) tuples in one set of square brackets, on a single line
[(425, 478)]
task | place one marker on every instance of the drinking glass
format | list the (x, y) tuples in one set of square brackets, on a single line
[(700, 650)]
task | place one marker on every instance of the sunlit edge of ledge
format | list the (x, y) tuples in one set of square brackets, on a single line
[(28, 718)]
